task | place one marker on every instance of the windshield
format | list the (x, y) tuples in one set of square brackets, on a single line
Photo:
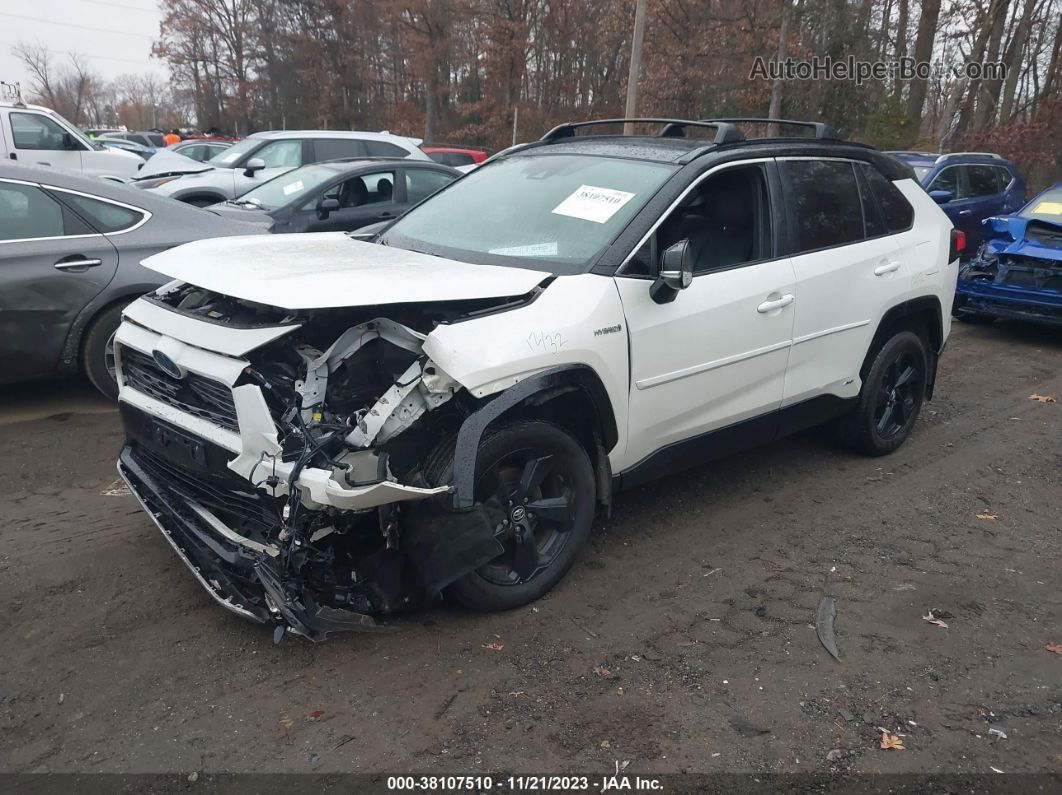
[(227, 158), (547, 212), (921, 171), (1046, 207), (287, 187)]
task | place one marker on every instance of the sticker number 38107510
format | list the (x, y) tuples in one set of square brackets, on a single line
[(593, 204)]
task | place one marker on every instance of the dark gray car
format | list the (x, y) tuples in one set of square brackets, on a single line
[(70, 252)]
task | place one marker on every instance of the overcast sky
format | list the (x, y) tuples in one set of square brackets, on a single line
[(114, 36)]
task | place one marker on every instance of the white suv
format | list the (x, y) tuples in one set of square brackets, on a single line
[(32, 135), (327, 429), (260, 157)]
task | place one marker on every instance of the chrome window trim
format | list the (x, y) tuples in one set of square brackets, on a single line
[(145, 214)]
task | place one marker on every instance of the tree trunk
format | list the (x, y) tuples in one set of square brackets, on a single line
[(1012, 59), (923, 52), (774, 111)]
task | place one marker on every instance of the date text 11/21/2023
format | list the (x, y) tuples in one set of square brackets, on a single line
[(530, 783)]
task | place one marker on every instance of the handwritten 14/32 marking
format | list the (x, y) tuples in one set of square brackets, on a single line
[(545, 341)]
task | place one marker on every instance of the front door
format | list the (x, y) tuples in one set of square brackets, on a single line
[(51, 265), (364, 199), (38, 140), (716, 355)]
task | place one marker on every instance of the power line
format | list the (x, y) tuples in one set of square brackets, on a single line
[(88, 55), (120, 5), (80, 27)]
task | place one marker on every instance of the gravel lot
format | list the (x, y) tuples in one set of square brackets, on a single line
[(683, 640)]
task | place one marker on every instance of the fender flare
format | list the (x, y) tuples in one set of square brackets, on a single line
[(578, 376)]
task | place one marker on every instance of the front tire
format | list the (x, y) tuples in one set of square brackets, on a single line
[(891, 398), (97, 350), (542, 478)]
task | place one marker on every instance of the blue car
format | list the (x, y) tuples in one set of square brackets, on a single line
[(969, 187), (1017, 273)]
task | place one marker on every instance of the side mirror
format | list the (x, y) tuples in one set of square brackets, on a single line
[(253, 165), (941, 196), (326, 207), (676, 272)]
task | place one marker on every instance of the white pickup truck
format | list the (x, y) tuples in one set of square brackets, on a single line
[(36, 136)]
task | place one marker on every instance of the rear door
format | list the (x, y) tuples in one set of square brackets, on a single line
[(964, 209), (52, 263), (847, 267)]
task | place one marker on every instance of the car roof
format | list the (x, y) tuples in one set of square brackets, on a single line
[(96, 186), (372, 136)]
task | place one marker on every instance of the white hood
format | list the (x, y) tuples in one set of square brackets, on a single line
[(166, 162), (327, 269)]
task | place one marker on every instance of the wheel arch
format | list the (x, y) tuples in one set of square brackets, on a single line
[(924, 316), (73, 348), (564, 395)]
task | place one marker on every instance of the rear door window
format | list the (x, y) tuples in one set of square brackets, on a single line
[(826, 202), (337, 148), (422, 183), (984, 180), (27, 212)]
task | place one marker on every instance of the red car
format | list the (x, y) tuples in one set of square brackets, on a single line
[(455, 156)]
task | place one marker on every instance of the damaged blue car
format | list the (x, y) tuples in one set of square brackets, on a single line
[(1017, 273)]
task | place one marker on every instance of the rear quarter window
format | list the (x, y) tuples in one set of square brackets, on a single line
[(895, 209), (104, 216)]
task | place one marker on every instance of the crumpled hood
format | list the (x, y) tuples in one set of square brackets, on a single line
[(166, 162), (325, 270), (1026, 237)]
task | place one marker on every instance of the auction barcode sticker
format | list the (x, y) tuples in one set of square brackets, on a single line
[(293, 187), (593, 204)]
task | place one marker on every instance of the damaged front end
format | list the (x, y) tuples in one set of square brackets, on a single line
[(1017, 274), (295, 462)]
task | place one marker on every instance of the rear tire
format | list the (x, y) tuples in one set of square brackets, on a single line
[(544, 480), (97, 350), (891, 397)]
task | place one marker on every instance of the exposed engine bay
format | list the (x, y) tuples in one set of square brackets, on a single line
[(338, 507)]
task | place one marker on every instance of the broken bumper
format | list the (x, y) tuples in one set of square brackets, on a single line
[(1011, 302), (238, 573)]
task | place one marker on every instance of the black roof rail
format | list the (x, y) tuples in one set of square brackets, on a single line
[(725, 132), (822, 131)]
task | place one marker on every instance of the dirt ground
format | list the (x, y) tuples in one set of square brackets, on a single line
[(682, 641)]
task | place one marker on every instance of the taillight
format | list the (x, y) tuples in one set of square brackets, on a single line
[(958, 244)]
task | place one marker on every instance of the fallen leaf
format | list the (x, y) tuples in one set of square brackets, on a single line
[(932, 619), (987, 515), (495, 646), (891, 741), (1054, 647), (315, 714), (835, 755), (1042, 398), (602, 671), (285, 723)]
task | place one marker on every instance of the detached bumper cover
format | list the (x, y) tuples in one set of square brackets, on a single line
[(238, 576)]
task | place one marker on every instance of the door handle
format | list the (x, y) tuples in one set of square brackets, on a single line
[(886, 267), (43, 163), (965, 212), (77, 264), (775, 303)]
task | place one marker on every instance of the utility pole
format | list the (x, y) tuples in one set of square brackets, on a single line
[(636, 63)]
